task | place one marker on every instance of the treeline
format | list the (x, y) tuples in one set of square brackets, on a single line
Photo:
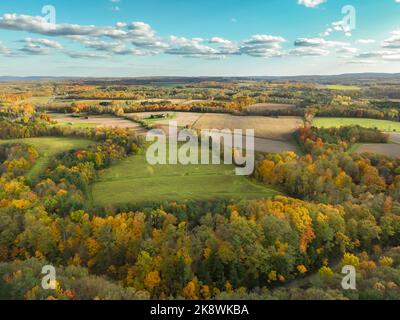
[(327, 173), (315, 139), (359, 112)]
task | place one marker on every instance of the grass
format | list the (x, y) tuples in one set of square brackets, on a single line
[(133, 181), (382, 125), (47, 148), (354, 148), (77, 125), (342, 87)]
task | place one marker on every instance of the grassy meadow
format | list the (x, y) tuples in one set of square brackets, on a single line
[(47, 148), (342, 87), (382, 125), (133, 180)]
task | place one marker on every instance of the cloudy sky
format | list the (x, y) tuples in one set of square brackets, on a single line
[(198, 37)]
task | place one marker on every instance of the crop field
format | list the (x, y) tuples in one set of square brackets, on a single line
[(47, 148), (390, 150), (273, 135), (95, 121), (273, 146), (280, 128), (260, 107), (184, 119), (383, 125), (394, 137), (133, 180), (342, 87)]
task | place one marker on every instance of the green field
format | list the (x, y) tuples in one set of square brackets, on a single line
[(76, 125), (133, 180), (48, 147), (342, 87), (382, 125)]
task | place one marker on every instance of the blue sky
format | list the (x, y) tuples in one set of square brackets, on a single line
[(198, 37)]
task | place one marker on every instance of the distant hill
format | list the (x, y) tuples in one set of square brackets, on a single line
[(341, 78), (348, 78), (32, 78)]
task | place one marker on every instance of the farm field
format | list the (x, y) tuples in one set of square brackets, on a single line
[(342, 87), (96, 121), (184, 119), (394, 137), (274, 141), (383, 125), (278, 141), (261, 107), (47, 148), (390, 150), (133, 180), (280, 128), (273, 146)]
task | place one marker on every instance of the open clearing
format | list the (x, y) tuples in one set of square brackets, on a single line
[(273, 135), (259, 108), (394, 137), (390, 150), (382, 125), (184, 119), (48, 147), (342, 87), (95, 121), (273, 146), (280, 128), (133, 180)]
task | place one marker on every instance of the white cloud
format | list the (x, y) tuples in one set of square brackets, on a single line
[(220, 41), (320, 43), (193, 50), (310, 3), (338, 26), (39, 46), (366, 41), (262, 45), (347, 50), (87, 55), (44, 42), (4, 50), (362, 61), (393, 42), (39, 25), (379, 56), (120, 24), (308, 51)]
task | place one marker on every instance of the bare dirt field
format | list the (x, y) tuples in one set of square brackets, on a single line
[(260, 107), (390, 149), (273, 146), (394, 137), (280, 128)]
